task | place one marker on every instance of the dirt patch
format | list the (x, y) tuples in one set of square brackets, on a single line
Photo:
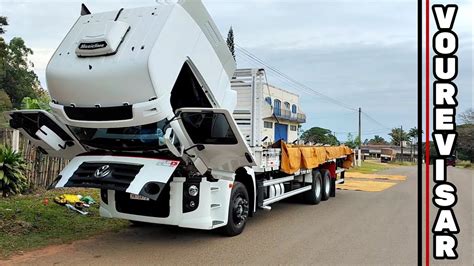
[(16, 227)]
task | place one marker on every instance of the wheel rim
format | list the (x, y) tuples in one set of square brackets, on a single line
[(240, 210)]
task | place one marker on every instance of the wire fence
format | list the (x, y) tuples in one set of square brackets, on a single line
[(41, 170)]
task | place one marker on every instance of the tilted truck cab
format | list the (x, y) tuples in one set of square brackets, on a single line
[(142, 106)]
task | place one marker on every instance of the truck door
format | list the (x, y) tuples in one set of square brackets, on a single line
[(44, 131), (215, 138)]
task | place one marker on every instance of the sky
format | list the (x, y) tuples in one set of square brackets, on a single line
[(361, 53)]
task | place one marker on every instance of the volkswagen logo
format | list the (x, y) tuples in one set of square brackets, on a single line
[(102, 171)]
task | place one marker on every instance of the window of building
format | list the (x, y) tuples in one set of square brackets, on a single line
[(294, 109), (277, 107), (292, 128), (287, 106), (268, 100), (267, 124)]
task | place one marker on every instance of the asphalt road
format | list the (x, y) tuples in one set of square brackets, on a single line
[(354, 228)]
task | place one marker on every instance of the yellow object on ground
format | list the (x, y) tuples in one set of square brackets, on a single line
[(366, 185), (296, 157), (375, 176), (67, 198)]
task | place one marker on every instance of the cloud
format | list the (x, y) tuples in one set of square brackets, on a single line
[(362, 53)]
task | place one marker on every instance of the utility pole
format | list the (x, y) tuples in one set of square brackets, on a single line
[(401, 143), (360, 138)]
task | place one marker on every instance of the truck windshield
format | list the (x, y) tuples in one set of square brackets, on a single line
[(136, 138)]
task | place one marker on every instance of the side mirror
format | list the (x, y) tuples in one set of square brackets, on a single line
[(169, 142), (51, 138)]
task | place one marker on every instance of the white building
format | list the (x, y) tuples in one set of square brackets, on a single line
[(277, 111)]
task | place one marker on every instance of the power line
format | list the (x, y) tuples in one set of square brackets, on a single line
[(298, 85), (375, 121), (278, 72)]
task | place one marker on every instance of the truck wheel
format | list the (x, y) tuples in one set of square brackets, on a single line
[(326, 184), (333, 188), (238, 210), (313, 196)]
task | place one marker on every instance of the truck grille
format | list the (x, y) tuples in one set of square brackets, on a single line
[(119, 177)]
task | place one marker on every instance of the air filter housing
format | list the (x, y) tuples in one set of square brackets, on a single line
[(101, 38)]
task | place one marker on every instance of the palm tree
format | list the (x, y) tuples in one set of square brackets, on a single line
[(413, 135)]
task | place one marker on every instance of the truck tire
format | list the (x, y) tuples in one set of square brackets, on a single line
[(313, 196), (333, 187), (238, 210), (326, 184)]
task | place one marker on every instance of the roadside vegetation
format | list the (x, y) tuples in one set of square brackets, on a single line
[(34, 221), (404, 163), (371, 167), (464, 164)]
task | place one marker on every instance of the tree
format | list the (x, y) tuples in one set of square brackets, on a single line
[(467, 117), (398, 135), (230, 42), (17, 78), (5, 102), (351, 142), (465, 142), (378, 140), (35, 103), (3, 23), (413, 135), (319, 135)]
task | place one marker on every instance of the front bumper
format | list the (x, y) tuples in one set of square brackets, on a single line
[(211, 212)]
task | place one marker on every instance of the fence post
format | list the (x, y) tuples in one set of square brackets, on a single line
[(16, 140)]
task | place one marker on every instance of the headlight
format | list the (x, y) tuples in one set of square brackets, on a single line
[(193, 191)]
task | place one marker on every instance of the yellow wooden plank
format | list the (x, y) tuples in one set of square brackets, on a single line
[(375, 176), (366, 185)]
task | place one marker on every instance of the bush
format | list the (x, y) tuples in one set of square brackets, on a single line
[(12, 172)]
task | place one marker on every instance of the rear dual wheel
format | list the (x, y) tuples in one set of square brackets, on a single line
[(314, 195), (326, 184)]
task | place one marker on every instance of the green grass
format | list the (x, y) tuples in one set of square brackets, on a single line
[(464, 164), (26, 223), (402, 163), (370, 167)]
